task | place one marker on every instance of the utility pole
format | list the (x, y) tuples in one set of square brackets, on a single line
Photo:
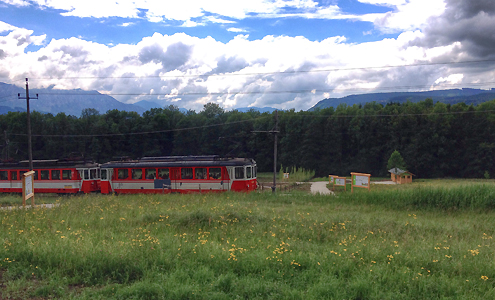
[(7, 145), (274, 131), (30, 151)]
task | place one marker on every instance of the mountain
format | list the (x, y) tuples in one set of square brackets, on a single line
[(468, 96), (53, 101), (147, 105), (260, 109)]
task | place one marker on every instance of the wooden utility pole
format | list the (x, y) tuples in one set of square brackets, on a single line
[(274, 131), (30, 151)]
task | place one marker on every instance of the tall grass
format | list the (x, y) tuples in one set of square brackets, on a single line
[(295, 174), (474, 196), (252, 246)]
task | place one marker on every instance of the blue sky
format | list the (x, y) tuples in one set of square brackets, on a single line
[(280, 53)]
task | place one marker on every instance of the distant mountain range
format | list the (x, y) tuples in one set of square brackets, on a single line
[(468, 96), (72, 102)]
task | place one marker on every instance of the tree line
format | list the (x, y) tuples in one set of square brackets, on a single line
[(435, 139)]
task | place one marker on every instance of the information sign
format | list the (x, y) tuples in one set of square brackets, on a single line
[(28, 187), (360, 180)]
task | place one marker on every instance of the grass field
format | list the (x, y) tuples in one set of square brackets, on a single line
[(429, 240)]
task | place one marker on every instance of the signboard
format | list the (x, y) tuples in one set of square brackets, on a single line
[(340, 181), (28, 187), (336, 181), (360, 180)]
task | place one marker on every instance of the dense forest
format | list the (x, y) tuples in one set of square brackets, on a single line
[(435, 140)]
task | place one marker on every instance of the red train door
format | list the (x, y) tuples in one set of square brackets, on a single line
[(175, 178)]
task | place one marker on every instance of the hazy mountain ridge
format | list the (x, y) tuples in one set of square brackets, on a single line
[(468, 96), (70, 102)]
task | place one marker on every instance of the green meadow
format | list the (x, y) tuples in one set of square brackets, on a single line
[(428, 240)]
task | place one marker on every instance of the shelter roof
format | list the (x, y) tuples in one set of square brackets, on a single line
[(399, 172)]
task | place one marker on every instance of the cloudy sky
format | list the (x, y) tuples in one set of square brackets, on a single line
[(238, 53)]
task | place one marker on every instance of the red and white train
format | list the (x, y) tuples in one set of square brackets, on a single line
[(169, 174)]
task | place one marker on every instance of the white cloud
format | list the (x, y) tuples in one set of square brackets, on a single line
[(264, 72), (232, 29), (6, 27), (407, 14), (187, 11)]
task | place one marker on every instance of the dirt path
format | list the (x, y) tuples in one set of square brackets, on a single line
[(320, 187)]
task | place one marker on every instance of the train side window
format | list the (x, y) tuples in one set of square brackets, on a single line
[(137, 173), (92, 174), (215, 173), (45, 174), (200, 173), (86, 174), (150, 173), (13, 175), (104, 174), (186, 173), (163, 174), (56, 174), (123, 173), (239, 172), (35, 174), (248, 172), (66, 174), (4, 175)]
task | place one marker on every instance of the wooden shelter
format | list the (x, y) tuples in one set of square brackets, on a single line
[(400, 176)]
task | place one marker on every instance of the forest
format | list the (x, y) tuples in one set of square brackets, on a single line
[(435, 139)]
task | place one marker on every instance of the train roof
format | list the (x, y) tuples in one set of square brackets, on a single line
[(50, 164), (180, 161)]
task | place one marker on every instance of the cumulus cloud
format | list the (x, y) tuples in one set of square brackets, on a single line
[(278, 71), (471, 24), (189, 11)]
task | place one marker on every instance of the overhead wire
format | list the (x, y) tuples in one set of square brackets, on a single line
[(269, 73), (252, 120)]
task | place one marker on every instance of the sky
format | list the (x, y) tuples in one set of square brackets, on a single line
[(256, 53)]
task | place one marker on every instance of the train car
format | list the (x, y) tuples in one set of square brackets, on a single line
[(72, 175), (179, 174)]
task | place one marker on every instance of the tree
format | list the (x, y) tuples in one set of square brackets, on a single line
[(396, 161)]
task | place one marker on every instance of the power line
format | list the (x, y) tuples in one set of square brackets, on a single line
[(141, 133), (267, 73), (252, 120)]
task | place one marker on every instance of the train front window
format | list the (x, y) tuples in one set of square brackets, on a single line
[(56, 174), (123, 174), (215, 173), (13, 175), (150, 173), (163, 174), (248, 172), (186, 173), (66, 174), (255, 171), (239, 172), (137, 173), (200, 173), (4, 175), (86, 174), (45, 174)]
